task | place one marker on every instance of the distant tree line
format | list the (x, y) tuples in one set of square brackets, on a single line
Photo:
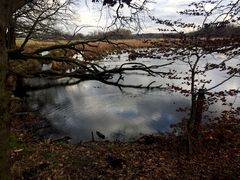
[(54, 35), (208, 31), (60, 35), (218, 31), (114, 34)]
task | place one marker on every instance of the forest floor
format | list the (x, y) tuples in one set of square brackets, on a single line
[(216, 154)]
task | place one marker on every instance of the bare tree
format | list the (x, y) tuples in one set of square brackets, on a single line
[(193, 49), (38, 18), (125, 13), (33, 16), (7, 9)]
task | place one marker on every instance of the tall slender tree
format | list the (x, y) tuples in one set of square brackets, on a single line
[(7, 8), (195, 46)]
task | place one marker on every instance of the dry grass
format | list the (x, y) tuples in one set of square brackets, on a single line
[(95, 49), (91, 51), (98, 50)]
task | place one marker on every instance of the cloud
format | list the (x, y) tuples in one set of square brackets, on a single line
[(98, 17)]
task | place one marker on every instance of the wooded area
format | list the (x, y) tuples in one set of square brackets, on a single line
[(30, 39)]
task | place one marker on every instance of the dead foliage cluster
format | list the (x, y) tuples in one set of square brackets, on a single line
[(216, 155)]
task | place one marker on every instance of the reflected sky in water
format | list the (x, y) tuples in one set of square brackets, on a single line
[(92, 106)]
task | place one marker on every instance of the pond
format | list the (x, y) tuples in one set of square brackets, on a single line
[(123, 114)]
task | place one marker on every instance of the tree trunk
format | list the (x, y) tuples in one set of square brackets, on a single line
[(192, 115), (190, 124), (4, 116), (199, 107), (7, 8), (11, 36), (199, 111)]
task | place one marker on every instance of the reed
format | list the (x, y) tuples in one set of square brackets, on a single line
[(93, 50)]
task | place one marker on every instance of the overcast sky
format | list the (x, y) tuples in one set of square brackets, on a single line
[(91, 15)]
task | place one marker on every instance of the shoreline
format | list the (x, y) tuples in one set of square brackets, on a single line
[(216, 153)]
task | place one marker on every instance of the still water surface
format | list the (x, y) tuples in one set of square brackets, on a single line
[(92, 106)]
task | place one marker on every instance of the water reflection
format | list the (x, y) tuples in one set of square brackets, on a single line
[(91, 106)]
